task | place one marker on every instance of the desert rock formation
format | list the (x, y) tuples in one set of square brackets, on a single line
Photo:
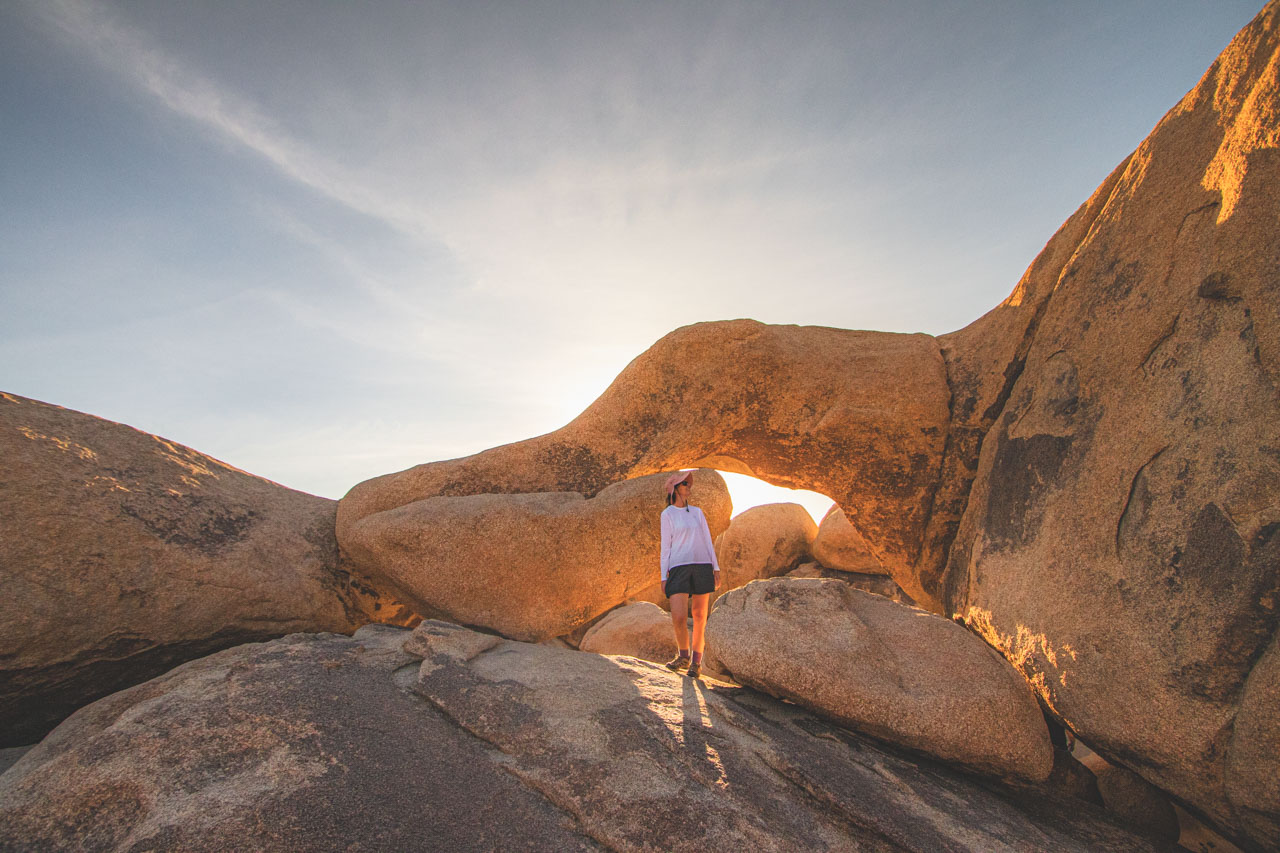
[(641, 630), (1087, 474), (860, 416), (530, 566), (895, 672), (763, 542), (839, 545), (1121, 542), (464, 741), (123, 554)]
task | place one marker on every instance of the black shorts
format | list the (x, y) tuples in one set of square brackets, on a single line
[(692, 578)]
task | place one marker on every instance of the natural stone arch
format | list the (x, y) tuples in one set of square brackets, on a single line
[(860, 416)]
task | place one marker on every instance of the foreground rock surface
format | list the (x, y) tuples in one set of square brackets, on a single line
[(123, 554), (530, 566), (446, 739), (895, 672)]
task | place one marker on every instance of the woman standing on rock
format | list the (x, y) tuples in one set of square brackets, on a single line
[(690, 572)]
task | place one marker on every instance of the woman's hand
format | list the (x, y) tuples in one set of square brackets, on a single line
[(716, 574)]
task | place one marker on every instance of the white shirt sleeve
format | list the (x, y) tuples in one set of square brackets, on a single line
[(706, 538), (665, 558)]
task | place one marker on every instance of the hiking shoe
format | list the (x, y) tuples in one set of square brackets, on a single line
[(695, 670), (678, 664)]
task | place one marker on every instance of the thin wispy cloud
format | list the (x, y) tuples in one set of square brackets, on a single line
[(129, 53)]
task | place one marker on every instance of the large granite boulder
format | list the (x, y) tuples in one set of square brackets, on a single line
[(763, 542), (641, 630), (123, 554), (895, 672), (839, 545), (859, 416), (530, 566), (448, 739), (1121, 542)]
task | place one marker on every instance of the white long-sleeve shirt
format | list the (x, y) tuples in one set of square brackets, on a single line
[(685, 539)]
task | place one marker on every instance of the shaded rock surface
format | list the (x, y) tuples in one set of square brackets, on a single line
[(530, 566), (876, 584), (859, 416), (763, 542), (446, 739), (1121, 542), (1134, 800), (641, 630), (839, 545), (898, 673), (123, 554)]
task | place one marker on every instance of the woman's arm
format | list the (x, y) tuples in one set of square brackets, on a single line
[(706, 537), (665, 555)]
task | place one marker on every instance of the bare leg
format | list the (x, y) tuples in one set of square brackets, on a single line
[(701, 604), (679, 617)]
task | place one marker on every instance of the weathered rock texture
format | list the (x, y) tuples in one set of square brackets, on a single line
[(642, 630), (839, 545), (123, 554), (877, 584), (860, 416), (763, 542), (329, 743), (898, 673), (530, 566), (1122, 539), (1134, 800)]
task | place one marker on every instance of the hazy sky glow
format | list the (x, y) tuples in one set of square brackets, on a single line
[(325, 241)]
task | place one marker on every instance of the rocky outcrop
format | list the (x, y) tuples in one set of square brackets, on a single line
[(895, 672), (1121, 543), (839, 545), (454, 740), (763, 542), (530, 566), (859, 416), (642, 630), (123, 554)]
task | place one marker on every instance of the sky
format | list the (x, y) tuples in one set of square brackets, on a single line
[(324, 241)]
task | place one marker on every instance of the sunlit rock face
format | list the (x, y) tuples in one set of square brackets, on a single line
[(838, 545), (1122, 539), (448, 739), (641, 630), (764, 542), (859, 416), (123, 554), (531, 566), (895, 672)]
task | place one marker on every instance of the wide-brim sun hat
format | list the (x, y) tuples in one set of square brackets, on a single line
[(677, 478)]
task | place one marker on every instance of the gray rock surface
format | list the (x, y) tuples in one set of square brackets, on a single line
[(328, 743)]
